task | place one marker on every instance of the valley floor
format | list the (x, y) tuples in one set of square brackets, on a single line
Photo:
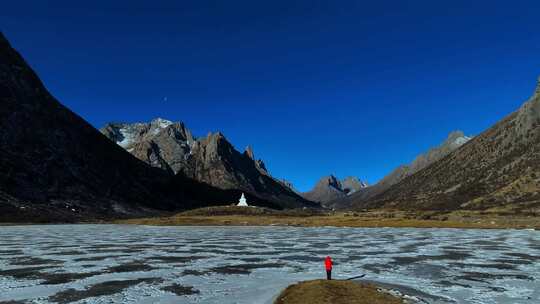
[(349, 219)]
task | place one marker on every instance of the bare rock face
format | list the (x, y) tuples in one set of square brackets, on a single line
[(249, 152), (454, 140), (496, 169), (330, 188), (160, 143), (352, 184), (258, 162), (211, 160)]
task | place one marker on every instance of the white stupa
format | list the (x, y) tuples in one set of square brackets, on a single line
[(242, 202)]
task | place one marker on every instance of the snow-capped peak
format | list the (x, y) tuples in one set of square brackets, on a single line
[(161, 123), (127, 137), (462, 140)]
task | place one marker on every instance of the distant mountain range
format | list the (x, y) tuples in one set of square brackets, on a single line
[(455, 140), (499, 168), (329, 188)]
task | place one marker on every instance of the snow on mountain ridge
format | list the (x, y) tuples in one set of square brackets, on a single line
[(161, 123)]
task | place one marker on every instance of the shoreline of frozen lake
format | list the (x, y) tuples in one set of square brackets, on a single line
[(147, 264)]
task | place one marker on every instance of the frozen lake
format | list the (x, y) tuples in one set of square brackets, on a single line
[(140, 264)]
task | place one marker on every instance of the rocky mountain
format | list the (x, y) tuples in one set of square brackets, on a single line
[(329, 188), (212, 159), (497, 169), (160, 143), (454, 140), (352, 184), (54, 166), (288, 184)]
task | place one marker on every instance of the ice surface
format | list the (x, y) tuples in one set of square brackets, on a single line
[(69, 263)]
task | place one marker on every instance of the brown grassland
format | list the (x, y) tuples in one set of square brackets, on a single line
[(242, 216), (335, 292)]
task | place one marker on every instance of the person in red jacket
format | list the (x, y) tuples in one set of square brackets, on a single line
[(328, 266)]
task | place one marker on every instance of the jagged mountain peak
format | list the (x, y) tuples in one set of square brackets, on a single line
[(258, 162), (211, 159), (128, 135), (330, 188), (330, 180), (162, 123), (351, 184), (249, 152)]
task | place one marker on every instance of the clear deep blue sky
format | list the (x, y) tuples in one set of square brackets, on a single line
[(316, 87)]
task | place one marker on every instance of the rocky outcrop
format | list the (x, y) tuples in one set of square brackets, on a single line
[(352, 184), (454, 140), (216, 162), (496, 169), (160, 143), (258, 162), (329, 188)]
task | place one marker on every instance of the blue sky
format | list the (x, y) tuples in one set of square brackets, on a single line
[(316, 87)]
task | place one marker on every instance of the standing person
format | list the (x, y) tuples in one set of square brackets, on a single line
[(328, 265)]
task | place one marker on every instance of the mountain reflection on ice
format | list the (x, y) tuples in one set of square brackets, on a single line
[(140, 264)]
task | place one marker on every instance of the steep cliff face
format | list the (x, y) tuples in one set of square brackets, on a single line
[(160, 143), (53, 164), (499, 168), (215, 161)]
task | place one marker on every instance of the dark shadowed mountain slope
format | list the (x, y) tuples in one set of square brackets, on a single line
[(212, 159), (454, 140), (53, 159), (54, 166), (329, 188), (499, 168)]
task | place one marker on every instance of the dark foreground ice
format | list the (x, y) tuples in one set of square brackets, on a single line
[(139, 264)]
